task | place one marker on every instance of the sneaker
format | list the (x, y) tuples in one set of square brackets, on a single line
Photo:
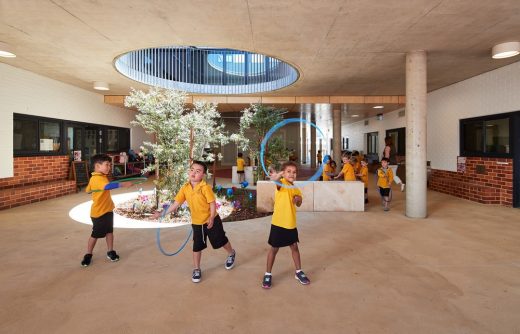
[(112, 256), (230, 261), (87, 259), (402, 186), (267, 281), (300, 276), (195, 277), (386, 209)]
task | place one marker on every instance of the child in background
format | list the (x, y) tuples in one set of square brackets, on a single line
[(101, 210), (205, 221), (356, 162), (363, 176), (385, 177), (283, 225), (348, 171), (319, 158), (328, 170), (240, 168)]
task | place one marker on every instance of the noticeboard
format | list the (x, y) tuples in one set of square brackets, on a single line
[(80, 173)]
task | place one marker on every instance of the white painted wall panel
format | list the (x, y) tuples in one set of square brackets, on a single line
[(28, 93)]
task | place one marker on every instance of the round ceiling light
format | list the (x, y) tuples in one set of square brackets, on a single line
[(378, 107), (505, 50), (100, 85), (5, 51), (206, 70)]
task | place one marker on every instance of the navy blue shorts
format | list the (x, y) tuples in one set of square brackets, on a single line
[(217, 236), (102, 225), (385, 192), (282, 237)]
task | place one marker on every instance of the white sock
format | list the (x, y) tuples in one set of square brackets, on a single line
[(266, 273), (297, 271)]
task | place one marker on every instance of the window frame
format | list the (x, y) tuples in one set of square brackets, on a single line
[(483, 119)]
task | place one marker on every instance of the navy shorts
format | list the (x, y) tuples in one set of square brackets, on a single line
[(217, 236), (102, 225), (282, 237), (385, 192)]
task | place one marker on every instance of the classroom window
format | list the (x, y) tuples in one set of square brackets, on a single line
[(486, 136), (25, 135)]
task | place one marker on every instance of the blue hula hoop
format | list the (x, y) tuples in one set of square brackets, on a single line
[(158, 237), (316, 175)]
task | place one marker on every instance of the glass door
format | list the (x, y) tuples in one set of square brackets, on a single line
[(74, 142), (93, 141)]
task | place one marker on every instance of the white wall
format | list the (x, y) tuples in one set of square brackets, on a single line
[(490, 93), (356, 131), (24, 92)]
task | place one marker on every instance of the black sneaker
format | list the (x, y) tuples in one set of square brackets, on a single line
[(300, 276), (195, 277), (268, 280), (230, 261), (87, 259), (112, 256)]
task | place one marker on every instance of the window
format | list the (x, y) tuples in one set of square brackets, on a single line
[(398, 139), (50, 136), (372, 142), (117, 140), (486, 136), (25, 135), (36, 135)]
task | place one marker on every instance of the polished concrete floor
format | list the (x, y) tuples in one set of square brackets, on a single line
[(458, 271)]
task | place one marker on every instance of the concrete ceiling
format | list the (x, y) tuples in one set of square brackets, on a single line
[(340, 47)]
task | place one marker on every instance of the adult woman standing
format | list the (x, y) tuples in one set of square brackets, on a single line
[(389, 153)]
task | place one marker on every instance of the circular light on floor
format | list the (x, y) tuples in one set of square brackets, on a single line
[(206, 70)]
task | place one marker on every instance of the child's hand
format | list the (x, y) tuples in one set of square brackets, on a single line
[(156, 215), (297, 200), (275, 176), (210, 222)]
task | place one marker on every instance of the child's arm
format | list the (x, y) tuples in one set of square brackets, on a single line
[(212, 214), (171, 209), (297, 200), (275, 176), (339, 175), (115, 185)]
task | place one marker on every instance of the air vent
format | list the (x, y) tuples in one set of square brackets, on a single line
[(366, 122), (401, 113)]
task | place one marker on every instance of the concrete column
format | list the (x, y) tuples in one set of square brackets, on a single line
[(336, 136), (313, 142), (303, 155), (416, 201)]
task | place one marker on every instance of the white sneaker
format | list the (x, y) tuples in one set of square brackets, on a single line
[(402, 186)]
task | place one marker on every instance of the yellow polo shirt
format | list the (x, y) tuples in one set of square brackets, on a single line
[(327, 170), (284, 214), (101, 200), (348, 172), (385, 177), (364, 175), (240, 164), (198, 198)]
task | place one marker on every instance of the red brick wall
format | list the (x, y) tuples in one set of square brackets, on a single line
[(36, 179), (493, 186)]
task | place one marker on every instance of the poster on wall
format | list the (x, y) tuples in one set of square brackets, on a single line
[(461, 164), (77, 155)]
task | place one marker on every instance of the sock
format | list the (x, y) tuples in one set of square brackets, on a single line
[(266, 273), (297, 271)]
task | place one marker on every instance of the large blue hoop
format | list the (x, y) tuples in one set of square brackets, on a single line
[(268, 135)]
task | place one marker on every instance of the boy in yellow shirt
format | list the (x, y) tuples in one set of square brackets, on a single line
[(363, 176), (240, 168), (283, 224), (101, 210), (385, 177), (205, 221), (348, 170), (329, 170)]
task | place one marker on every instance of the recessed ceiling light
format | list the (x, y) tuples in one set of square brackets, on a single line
[(5, 51), (505, 50), (378, 107), (100, 85), (354, 116)]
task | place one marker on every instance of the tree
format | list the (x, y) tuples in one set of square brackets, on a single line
[(181, 134), (261, 119)]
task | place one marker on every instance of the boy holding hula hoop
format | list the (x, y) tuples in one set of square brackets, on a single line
[(283, 224), (205, 221), (102, 206)]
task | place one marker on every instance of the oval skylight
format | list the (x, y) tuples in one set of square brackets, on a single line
[(206, 70)]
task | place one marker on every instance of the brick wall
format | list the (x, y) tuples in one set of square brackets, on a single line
[(486, 180), (36, 179)]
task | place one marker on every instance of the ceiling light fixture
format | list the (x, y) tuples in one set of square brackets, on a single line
[(505, 50), (5, 51), (100, 85), (378, 107)]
